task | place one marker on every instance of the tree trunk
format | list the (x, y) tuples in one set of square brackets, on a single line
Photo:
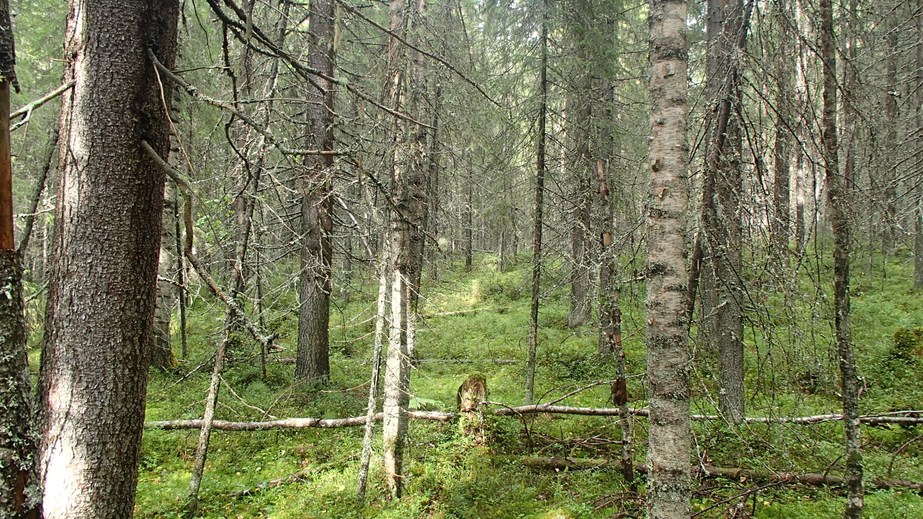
[(838, 206), (889, 173), (431, 224), (781, 194), (161, 352), (100, 311), (19, 490), (313, 362), (918, 206), (181, 277), (371, 407), (800, 230), (408, 202), (469, 213), (539, 202), (669, 435), (582, 174), (27, 227), (721, 312), (208, 416)]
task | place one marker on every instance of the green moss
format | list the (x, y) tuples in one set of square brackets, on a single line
[(908, 343), (449, 476)]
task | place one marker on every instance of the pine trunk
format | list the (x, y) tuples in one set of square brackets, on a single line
[(313, 358)]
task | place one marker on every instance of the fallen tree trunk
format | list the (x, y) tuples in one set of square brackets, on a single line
[(909, 417), (291, 423), (708, 471)]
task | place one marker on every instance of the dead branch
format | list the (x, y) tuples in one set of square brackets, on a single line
[(265, 340), (439, 416), (291, 423), (227, 107), (26, 110), (740, 474), (430, 55)]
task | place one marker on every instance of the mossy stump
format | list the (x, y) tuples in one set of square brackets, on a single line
[(471, 397)]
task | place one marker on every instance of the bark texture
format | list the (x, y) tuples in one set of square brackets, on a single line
[(313, 362), (837, 204), (101, 303), (669, 435), (19, 492), (721, 314), (582, 175)]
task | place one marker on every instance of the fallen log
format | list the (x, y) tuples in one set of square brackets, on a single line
[(466, 361), (740, 474), (289, 423), (893, 418)]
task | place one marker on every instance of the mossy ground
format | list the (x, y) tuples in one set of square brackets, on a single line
[(449, 477)]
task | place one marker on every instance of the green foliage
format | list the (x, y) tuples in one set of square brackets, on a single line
[(449, 475)]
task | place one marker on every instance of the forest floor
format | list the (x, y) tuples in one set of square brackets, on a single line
[(791, 372)]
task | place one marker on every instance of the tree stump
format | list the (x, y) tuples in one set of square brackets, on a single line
[(472, 395)]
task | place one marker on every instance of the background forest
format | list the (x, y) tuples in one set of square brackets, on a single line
[(468, 258)]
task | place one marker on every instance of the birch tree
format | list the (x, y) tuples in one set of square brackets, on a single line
[(669, 433)]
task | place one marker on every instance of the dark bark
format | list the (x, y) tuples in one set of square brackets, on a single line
[(19, 491), (539, 203), (837, 204), (313, 362), (100, 310), (26, 234)]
